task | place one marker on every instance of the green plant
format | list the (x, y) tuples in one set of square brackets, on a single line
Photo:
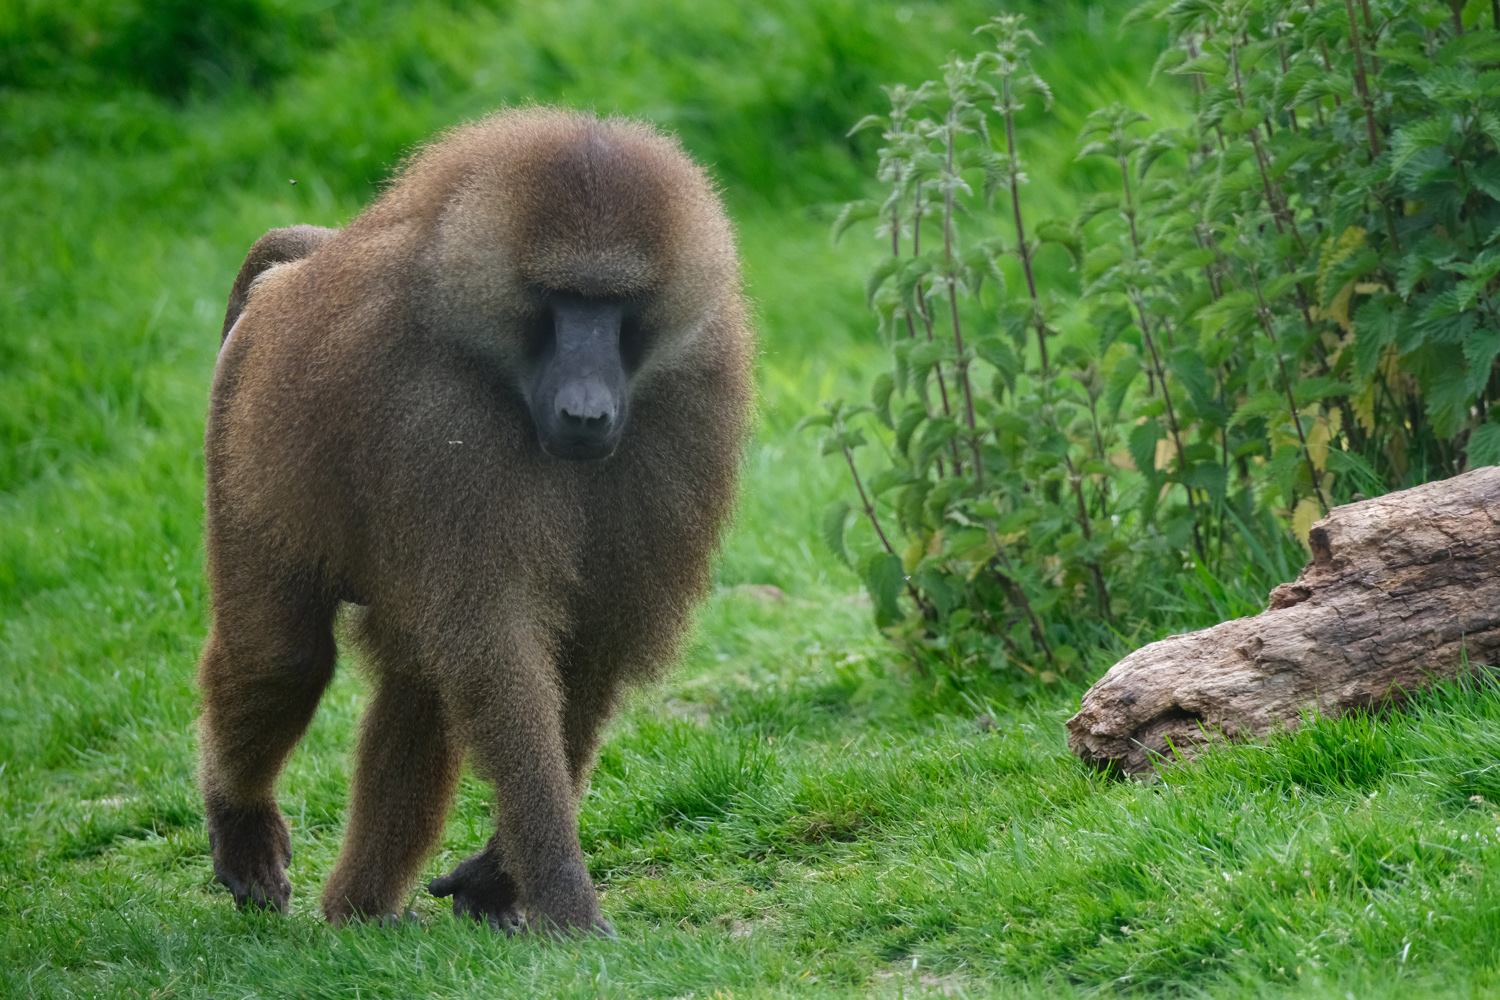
[(1287, 301)]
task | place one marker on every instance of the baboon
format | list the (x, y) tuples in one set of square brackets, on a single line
[(501, 412)]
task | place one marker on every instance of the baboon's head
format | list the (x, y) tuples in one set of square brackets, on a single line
[(582, 260)]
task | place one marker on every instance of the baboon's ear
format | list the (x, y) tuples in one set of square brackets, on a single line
[(279, 246)]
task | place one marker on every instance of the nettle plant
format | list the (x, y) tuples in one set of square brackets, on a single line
[(1287, 304)]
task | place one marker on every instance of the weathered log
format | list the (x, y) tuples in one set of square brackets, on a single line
[(1399, 589)]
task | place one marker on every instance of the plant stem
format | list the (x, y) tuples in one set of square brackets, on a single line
[(958, 335), (869, 509), (1076, 482), (1370, 27), (1016, 593), (1014, 168), (1262, 313), (916, 251), (1361, 83), (1327, 63), (1156, 365)]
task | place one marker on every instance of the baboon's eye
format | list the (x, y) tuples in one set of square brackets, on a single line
[(633, 340), (540, 332)]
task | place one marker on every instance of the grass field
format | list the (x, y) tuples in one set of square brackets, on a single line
[(792, 812)]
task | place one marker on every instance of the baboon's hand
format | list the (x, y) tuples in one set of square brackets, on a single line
[(251, 849), (482, 891)]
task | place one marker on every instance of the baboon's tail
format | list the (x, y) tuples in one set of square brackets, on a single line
[(279, 246)]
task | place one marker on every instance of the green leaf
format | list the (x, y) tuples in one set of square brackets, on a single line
[(1262, 404), (1062, 234), (1484, 446), (1345, 270), (1310, 390), (889, 478), (880, 396), (1410, 140), (1446, 390), (835, 519), (813, 420), (1480, 350), (997, 352), (1375, 325), (938, 432), (884, 577), (851, 213), (1194, 375), (911, 419), (1119, 381), (879, 276), (1143, 438), (1209, 476)]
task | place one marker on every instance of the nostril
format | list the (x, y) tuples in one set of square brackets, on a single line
[(585, 423), (585, 406)]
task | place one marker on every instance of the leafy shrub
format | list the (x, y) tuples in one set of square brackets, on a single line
[(1286, 303)]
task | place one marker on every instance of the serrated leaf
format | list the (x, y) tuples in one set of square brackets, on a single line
[(1306, 514), (835, 522), (1446, 390), (1142, 444), (937, 433), (890, 478), (911, 418), (1375, 326), (1310, 390), (851, 213), (880, 396), (1262, 404), (1484, 446), (884, 578), (1118, 384)]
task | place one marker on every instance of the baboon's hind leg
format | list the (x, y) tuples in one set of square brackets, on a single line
[(268, 658), (408, 765)]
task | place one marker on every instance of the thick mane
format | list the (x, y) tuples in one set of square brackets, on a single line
[(594, 206)]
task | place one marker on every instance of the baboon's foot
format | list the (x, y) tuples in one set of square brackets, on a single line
[(348, 915), (483, 891), (567, 906), (251, 848)]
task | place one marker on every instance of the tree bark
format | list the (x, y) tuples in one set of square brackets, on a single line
[(1400, 590)]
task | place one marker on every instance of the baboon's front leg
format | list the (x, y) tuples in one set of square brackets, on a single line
[(480, 886), (408, 767), (593, 692), (266, 663), (512, 711)]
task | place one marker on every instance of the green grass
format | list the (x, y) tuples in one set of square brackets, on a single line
[(793, 812)]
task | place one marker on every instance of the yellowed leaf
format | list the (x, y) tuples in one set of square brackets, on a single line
[(1164, 453), (1318, 436), (1334, 251), (1303, 518), (912, 555), (1364, 408), (1338, 309), (935, 543)]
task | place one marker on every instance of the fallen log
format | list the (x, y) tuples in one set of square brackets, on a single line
[(1400, 588)]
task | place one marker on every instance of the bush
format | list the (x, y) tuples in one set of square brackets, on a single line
[(1285, 304)]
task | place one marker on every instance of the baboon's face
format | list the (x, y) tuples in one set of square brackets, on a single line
[(579, 270), (582, 354)]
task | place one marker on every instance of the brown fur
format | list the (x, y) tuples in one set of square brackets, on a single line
[(367, 443)]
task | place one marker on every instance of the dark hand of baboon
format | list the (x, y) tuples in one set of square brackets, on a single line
[(502, 412), (482, 891)]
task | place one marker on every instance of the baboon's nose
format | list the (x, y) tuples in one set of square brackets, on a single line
[(586, 404)]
